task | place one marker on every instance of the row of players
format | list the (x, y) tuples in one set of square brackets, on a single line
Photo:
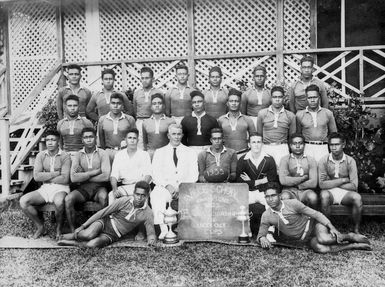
[(176, 163)]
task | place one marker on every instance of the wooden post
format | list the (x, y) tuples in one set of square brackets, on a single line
[(280, 35), (191, 41), (7, 99), (93, 42), (124, 77), (343, 72), (361, 71), (5, 156), (313, 26), (59, 32)]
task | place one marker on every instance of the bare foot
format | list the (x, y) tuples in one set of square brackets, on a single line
[(359, 238), (39, 232), (67, 236), (64, 242), (362, 246)]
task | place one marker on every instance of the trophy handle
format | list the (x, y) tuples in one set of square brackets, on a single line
[(178, 217), (250, 215)]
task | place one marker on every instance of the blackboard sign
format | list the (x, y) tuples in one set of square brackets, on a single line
[(209, 210)]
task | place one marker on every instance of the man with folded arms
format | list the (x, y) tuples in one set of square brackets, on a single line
[(298, 173), (113, 127), (315, 123), (338, 180), (276, 124), (90, 170), (304, 224), (113, 222)]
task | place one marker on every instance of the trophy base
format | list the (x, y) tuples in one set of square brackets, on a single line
[(170, 240), (243, 239)]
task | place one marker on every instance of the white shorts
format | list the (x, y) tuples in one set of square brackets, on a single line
[(277, 151), (338, 194), (199, 149), (127, 189), (254, 119), (139, 126), (178, 120), (257, 196), (49, 190), (316, 151)]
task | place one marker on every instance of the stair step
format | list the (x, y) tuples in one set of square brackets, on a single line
[(25, 167), (16, 182)]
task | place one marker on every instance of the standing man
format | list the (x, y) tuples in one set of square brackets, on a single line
[(257, 97), (256, 168), (301, 223), (130, 166), (115, 221), (236, 126), (215, 97), (155, 128), (52, 168), (275, 123), (315, 123), (178, 100), (90, 169), (172, 165), (73, 88), (217, 163), (99, 104), (197, 127), (297, 96), (113, 127), (338, 180), (142, 100), (71, 126), (298, 173)]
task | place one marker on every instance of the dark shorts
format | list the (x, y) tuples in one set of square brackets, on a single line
[(89, 189), (108, 231)]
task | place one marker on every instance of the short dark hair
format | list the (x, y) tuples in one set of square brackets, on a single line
[(181, 67), (117, 95), (147, 70), (215, 69), (312, 87), (132, 130), (235, 92), (254, 134), (270, 185), (87, 130), (277, 89), (52, 133), (73, 98), (143, 185), (74, 66), (307, 58), (336, 136), (296, 135), (157, 95), (260, 68), (197, 93), (108, 71), (216, 130)]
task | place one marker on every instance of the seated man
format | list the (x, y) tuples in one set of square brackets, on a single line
[(301, 223), (197, 127), (256, 168), (298, 173), (338, 180), (130, 166), (90, 169), (217, 163), (172, 165), (113, 222), (52, 168)]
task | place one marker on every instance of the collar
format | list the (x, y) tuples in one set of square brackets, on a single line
[(254, 88), (80, 88), (220, 88), (162, 117), (249, 156), (176, 87), (77, 118), (334, 161), (83, 150), (103, 91), (303, 156), (228, 115), (108, 116), (301, 79), (148, 90), (195, 115), (171, 147), (210, 151), (279, 213), (58, 153), (270, 109), (143, 207), (307, 110)]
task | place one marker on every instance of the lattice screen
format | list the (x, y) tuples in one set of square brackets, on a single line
[(143, 29), (234, 26), (33, 48)]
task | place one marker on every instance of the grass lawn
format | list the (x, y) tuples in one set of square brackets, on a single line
[(199, 264)]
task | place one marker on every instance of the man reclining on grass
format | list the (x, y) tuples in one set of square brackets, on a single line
[(116, 220), (301, 223)]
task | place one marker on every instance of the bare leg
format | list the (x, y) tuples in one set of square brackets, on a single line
[(354, 200), (321, 248), (28, 203), (97, 242), (71, 199), (286, 195), (101, 197), (310, 198), (58, 200), (87, 234), (326, 201)]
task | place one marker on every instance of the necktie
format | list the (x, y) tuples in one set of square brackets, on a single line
[(175, 158)]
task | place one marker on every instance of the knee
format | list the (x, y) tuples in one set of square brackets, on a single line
[(312, 198), (59, 203), (357, 199), (102, 198), (325, 196), (69, 201), (318, 247), (285, 195), (24, 202)]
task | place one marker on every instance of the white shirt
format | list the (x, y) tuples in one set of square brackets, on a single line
[(131, 169), (164, 171)]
